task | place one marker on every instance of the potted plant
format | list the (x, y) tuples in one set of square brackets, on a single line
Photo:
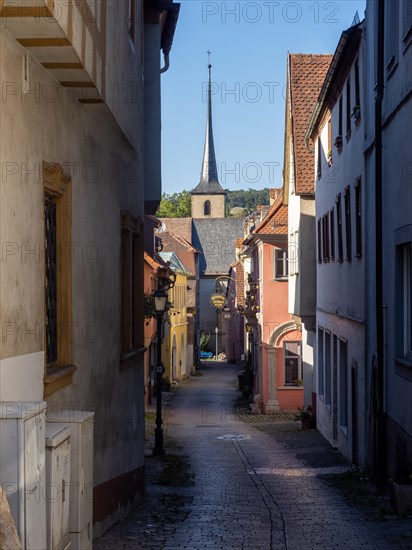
[(401, 491), (329, 157), (338, 143), (305, 416), (356, 114)]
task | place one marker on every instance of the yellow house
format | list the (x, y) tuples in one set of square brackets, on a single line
[(174, 349)]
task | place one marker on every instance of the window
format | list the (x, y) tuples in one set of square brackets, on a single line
[(339, 226), (328, 369), (391, 35), (404, 300), (280, 263), (348, 109), (332, 234), (321, 381), (407, 20), (343, 384), (132, 19), (348, 224), (320, 240), (293, 253), (340, 121), (132, 289), (319, 169), (207, 208), (356, 113), (293, 363), (58, 279), (358, 214), (329, 155), (325, 240)]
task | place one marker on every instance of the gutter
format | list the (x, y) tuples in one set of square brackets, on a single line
[(340, 57), (172, 15), (381, 447)]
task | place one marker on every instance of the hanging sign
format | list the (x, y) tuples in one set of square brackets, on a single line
[(218, 301)]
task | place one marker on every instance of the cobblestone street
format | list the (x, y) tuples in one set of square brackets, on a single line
[(231, 480)]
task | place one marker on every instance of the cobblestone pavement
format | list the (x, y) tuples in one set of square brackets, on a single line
[(233, 481)]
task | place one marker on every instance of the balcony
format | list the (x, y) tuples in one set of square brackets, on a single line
[(67, 37)]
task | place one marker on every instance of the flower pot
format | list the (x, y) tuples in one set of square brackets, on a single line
[(306, 423), (401, 498)]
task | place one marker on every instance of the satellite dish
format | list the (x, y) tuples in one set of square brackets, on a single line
[(162, 227)]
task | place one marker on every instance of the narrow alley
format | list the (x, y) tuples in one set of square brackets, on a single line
[(250, 482)]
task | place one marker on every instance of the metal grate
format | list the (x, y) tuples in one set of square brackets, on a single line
[(51, 281)]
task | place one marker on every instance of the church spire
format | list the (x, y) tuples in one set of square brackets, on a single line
[(209, 179)]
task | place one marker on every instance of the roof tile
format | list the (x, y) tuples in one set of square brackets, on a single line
[(307, 74)]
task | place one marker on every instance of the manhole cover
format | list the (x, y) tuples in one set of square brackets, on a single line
[(233, 437)]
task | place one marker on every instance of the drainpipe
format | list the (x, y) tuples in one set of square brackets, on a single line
[(381, 462), (166, 66)]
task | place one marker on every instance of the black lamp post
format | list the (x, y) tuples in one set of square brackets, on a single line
[(160, 300)]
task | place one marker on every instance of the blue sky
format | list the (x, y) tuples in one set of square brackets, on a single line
[(249, 42)]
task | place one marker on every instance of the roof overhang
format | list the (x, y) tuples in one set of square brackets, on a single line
[(335, 77)]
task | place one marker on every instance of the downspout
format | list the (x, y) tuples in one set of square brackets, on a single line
[(381, 459), (166, 66)]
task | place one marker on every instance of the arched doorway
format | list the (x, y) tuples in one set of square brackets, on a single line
[(183, 356), (174, 359)]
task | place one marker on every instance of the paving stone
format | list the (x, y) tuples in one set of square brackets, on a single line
[(258, 483)]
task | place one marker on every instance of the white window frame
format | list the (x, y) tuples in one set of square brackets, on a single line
[(285, 356), (276, 253)]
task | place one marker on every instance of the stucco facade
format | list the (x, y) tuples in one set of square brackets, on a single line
[(337, 136), (388, 370), (215, 209), (72, 147)]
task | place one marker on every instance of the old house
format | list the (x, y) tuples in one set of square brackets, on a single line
[(174, 343), (304, 79), (276, 337), (79, 122), (189, 257), (388, 239), (336, 134)]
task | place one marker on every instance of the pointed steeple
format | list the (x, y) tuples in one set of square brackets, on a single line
[(209, 179)]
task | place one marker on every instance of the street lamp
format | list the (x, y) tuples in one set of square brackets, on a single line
[(248, 328), (160, 300), (216, 332)]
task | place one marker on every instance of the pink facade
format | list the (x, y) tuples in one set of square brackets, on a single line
[(276, 339)]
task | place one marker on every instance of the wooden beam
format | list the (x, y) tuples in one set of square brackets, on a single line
[(78, 84), (43, 42), (24, 12), (62, 65), (91, 101)]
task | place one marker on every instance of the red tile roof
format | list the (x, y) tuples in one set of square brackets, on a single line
[(179, 226), (276, 220), (273, 193), (185, 251), (307, 74)]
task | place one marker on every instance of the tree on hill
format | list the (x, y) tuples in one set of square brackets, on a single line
[(178, 205)]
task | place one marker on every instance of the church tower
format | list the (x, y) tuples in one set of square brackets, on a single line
[(208, 197)]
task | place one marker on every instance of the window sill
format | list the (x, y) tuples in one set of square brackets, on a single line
[(291, 387), (57, 378), (403, 362), (131, 358), (391, 67)]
